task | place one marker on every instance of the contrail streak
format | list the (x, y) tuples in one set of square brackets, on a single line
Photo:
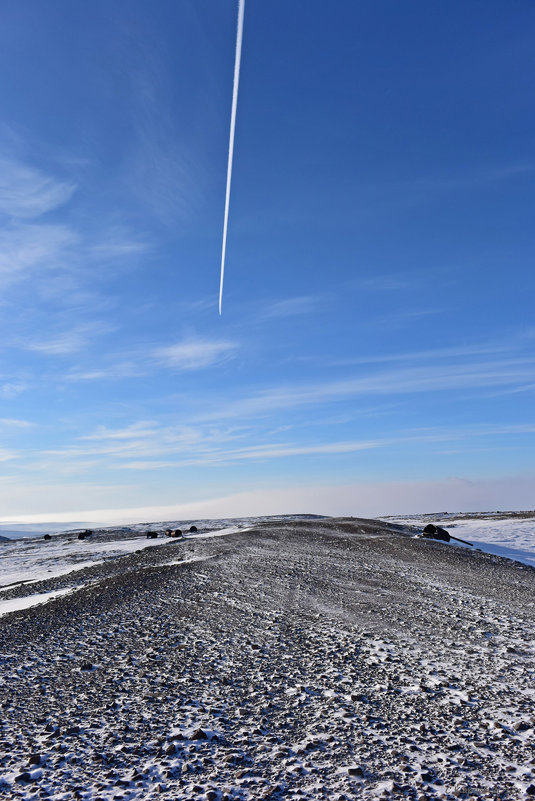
[(239, 37)]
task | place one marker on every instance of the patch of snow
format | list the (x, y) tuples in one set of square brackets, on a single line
[(512, 537), (16, 604)]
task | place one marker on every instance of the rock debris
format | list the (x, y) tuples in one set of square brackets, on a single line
[(335, 659)]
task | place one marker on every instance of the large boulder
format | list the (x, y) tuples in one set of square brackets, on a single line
[(433, 532)]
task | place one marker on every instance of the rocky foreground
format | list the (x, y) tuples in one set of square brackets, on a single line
[(333, 659)]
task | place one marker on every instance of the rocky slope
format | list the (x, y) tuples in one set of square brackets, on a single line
[(316, 659)]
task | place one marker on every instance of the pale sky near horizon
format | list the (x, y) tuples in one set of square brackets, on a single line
[(376, 349)]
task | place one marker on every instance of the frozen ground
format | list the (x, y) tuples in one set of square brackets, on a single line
[(333, 659), (27, 561), (509, 534)]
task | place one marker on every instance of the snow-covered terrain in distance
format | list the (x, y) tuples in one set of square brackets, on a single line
[(508, 534), (33, 559), (17, 531)]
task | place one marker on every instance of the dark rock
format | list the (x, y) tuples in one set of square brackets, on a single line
[(193, 529), (35, 759), (530, 790), (199, 734), (433, 532), (86, 666), (23, 777), (211, 795), (151, 535), (81, 535), (356, 771), (47, 537)]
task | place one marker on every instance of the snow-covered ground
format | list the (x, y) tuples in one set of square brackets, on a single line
[(508, 534), (28, 561), (32, 559), (341, 659)]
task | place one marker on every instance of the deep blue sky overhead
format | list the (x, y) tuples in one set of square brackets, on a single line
[(376, 348)]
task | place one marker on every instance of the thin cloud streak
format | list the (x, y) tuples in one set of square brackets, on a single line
[(144, 445), (68, 342), (432, 378), (289, 307), (195, 354), (26, 193)]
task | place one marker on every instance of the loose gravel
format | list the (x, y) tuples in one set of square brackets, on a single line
[(334, 659)]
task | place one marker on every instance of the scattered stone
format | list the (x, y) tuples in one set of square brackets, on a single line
[(23, 778)]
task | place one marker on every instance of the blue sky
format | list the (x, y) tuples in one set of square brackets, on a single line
[(376, 349)]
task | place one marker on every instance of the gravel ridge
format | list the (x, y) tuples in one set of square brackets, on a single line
[(337, 658)]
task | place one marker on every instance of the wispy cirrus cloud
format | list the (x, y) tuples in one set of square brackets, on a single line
[(184, 356), (11, 389), (26, 193), (10, 423), (7, 455), (146, 445), (303, 304), (132, 432), (27, 247), (117, 243), (195, 354), (427, 378), (433, 354), (67, 342)]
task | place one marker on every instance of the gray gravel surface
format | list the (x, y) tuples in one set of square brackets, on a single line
[(315, 659)]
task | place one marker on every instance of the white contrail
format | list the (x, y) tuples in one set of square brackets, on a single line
[(239, 37)]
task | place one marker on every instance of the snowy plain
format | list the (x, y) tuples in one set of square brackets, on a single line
[(25, 562), (508, 534), (29, 560)]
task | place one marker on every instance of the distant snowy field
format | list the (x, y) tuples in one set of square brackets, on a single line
[(25, 561), (30, 559), (509, 534)]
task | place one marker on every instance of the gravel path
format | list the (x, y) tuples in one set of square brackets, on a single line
[(332, 659)]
